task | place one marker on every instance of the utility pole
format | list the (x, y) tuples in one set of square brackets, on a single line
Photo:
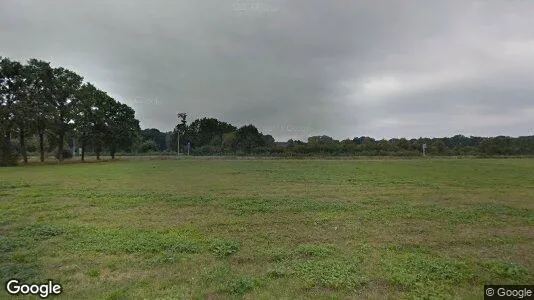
[(181, 121)]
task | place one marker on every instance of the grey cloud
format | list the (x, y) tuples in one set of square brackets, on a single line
[(295, 68)]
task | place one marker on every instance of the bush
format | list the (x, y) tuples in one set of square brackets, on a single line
[(149, 146), (66, 154), (10, 159)]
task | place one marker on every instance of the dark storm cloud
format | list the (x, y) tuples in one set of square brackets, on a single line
[(296, 68)]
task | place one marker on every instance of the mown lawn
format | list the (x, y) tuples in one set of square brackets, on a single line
[(263, 229)]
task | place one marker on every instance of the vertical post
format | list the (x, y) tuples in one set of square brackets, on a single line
[(73, 147), (181, 117)]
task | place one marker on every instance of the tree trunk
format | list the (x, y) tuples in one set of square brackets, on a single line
[(98, 155), (61, 137), (112, 152), (6, 149), (41, 145), (23, 146), (83, 152)]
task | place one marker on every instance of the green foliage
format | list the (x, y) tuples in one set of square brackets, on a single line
[(148, 146), (223, 247), (312, 250), (280, 271), (423, 273), (240, 285), (331, 273), (8, 155), (212, 137), (207, 131), (38, 99), (504, 270), (118, 294), (156, 138), (66, 154), (18, 253), (248, 137), (93, 273), (65, 86), (269, 229), (124, 240)]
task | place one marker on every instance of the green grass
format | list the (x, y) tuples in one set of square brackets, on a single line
[(182, 229)]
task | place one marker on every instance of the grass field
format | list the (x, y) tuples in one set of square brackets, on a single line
[(263, 229)]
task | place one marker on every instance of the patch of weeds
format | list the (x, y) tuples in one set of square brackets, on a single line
[(11, 243), (422, 292), (93, 273), (423, 212), (250, 206), (495, 210), (504, 270), (163, 258), (240, 285), (313, 250), (40, 231), (125, 240), (187, 200), (279, 254), (408, 248), (331, 273), (215, 275), (390, 212), (19, 250), (5, 185), (23, 257), (111, 265), (8, 216), (279, 271), (24, 271), (119, 294), (222, 280), (324, 206), (421, 272), (224, 248)]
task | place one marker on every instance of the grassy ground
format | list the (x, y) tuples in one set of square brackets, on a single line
[(269, 228)]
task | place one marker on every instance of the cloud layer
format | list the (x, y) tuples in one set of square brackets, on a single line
[(297, 68)]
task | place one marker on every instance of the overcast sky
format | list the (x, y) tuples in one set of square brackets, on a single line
[(296, 68)]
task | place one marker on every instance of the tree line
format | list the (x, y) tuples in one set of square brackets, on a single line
[(56, 107), (45, 109), (209, 136)]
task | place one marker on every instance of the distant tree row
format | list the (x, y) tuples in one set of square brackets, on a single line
[(45, 109), (53, 105), (449, 146), (208, 136)]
